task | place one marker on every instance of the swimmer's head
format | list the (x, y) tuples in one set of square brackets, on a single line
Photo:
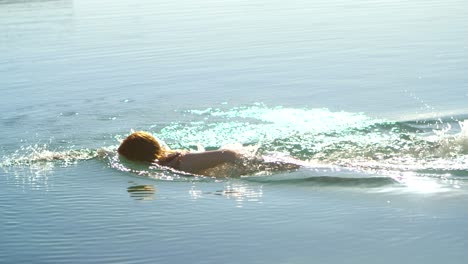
[(141, 146)]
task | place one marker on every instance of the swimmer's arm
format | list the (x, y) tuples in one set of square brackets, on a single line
[(199, 161)]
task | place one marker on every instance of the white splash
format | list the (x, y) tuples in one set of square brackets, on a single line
[(462, 138)]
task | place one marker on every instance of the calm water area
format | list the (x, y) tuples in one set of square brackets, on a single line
[(369, 97)]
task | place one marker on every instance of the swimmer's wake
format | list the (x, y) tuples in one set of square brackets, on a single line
[(277, 140)]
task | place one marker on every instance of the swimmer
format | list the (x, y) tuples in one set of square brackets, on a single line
[(142, 146)]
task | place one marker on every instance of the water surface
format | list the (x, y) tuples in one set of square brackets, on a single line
[(368, 96)]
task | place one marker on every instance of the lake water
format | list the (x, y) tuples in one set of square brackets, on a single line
[(368, 96)]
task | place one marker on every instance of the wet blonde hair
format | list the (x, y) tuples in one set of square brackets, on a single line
[(142, 146)]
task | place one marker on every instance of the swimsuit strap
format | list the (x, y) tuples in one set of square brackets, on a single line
[(175, 156)]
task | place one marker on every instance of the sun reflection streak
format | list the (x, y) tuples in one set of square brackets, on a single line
[(416, 183), (241, 193), (194, 193)]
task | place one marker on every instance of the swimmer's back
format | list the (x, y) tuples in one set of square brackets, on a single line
[(199, 161)]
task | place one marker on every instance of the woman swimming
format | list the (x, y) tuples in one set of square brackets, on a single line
[(142, 146)]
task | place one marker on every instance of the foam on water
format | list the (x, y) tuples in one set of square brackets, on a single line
[(35, 154)]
